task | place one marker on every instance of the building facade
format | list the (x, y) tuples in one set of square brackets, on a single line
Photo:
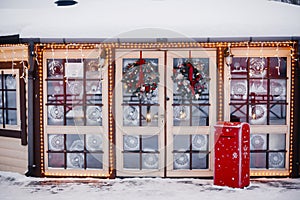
[(146, 108)]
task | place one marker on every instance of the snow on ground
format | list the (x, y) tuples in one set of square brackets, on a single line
[(15, 186)]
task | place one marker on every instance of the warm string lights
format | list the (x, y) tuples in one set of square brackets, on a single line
[(158, 45), (269, 173), (292, 114), (41, 117), (220, 83), (110, 109)]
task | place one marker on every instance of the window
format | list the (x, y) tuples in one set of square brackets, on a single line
[(75, 112), (190, 152), (75, 151), (141, 152), (191, 92), (12, 96), (74, 93), (258, 90), (267, 151), (259, 93)]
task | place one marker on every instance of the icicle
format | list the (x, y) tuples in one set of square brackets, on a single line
[(247, 53), (67, 61), (25, 68), (278, 59)]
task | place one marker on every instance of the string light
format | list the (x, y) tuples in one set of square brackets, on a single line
[(220, 83)]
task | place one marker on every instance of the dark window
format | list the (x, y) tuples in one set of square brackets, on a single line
[(74, 92), (12, 102), (258, 90)]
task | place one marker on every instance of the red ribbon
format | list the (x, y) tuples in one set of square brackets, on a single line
[(141, 62), (190, 76)]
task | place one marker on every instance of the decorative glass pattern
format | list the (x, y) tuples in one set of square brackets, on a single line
[(74, 94), (267, 151), (258, 90), (140, 152), (75, 151), (190, 152)]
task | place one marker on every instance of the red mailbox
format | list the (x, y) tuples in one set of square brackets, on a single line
[(232, 154)]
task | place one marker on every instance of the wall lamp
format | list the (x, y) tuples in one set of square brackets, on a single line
[(228, 56)]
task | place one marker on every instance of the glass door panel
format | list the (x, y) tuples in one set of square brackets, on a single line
[(76, 133), (191, 83), (139, 97)]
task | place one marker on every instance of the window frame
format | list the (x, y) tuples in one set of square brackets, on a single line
[(264, 129), (19, 130), (75, 54)]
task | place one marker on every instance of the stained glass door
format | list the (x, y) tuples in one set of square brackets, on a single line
[(191, 90), (139, 100)]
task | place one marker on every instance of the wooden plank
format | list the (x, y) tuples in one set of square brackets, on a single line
[(12, 153), (13, 162), (12, 143), (20, 170)]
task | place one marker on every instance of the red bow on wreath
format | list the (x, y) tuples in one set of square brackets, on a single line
[(196, 80)]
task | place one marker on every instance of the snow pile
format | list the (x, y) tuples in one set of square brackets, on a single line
[(149, 19), (15, 186)]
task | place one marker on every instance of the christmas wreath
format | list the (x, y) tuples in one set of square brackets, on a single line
[(141, 77), (190, 81)]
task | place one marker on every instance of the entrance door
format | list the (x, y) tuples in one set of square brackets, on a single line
[(165, 106), (139, 100), (191, 111)]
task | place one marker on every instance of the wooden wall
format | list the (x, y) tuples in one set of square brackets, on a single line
[(13, 156)]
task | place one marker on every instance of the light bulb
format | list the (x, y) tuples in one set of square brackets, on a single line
[(148, 117), (182, 114)]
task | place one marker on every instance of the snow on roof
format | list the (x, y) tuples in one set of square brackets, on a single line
[(149, 19)]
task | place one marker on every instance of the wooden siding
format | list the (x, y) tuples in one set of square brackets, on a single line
[(13, 156)]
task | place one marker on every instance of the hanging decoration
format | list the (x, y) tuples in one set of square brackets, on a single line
[(94, 113), (181, 113), (257, 67), (276, 160), (150, 161), (56, 142), (94, 142), (131, 116), (141, 78), (257, 142), (25, 68), (67, 62), (181, 160), (190, 81)]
